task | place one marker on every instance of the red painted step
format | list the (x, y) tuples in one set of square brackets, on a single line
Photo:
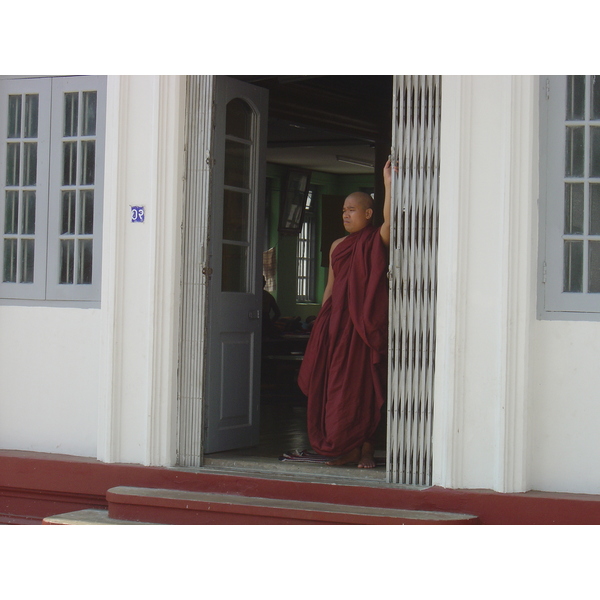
[(87, 517), (179, 507)]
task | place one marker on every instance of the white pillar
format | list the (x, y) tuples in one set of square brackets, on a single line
[(486, 286), (141, 264)]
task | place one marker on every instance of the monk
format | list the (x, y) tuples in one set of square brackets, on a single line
[(344, 368)]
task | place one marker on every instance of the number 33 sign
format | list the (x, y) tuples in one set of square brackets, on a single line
[(137, 214)]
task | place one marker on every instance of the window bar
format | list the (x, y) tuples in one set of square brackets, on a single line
[(406, 305), (413, 266), (426, 327), (392, 380), (428, 324), (416, 265), (434, 183), (419, 267), (406, 331), (586, 175), (423, 272), (397, 384)]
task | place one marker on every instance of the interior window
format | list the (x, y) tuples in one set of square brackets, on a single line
[(306, 251)]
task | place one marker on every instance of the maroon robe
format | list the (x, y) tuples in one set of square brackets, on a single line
[(344, 368)]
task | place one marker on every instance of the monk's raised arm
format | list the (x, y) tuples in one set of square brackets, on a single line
[(330, 277), (387, 181)]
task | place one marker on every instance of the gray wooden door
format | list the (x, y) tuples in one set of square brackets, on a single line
[(235, 266)]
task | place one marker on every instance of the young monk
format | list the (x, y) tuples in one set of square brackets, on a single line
[(344, 368)]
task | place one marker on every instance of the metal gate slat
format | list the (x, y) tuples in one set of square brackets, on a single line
[(193, 303), (413, 256)]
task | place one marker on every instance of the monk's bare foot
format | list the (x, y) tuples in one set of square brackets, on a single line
[(350, 457), (367, 460)]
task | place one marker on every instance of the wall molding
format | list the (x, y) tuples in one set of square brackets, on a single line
[(462, 407), (164, 323), (112, 271), (519, 274), (448, 427)]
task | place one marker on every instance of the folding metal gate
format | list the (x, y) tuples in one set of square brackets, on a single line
[(413, 274), (193, 280)]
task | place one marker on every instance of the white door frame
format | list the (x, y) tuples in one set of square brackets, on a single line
[(409, 435)]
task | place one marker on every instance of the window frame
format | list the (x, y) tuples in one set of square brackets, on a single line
[(35, 290), (309, 223), (46, 289), (553, 302)]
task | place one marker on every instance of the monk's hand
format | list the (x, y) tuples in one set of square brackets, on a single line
[(387, 173)]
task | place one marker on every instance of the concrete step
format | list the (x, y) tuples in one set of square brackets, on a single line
[(179, 507), (88, 517)]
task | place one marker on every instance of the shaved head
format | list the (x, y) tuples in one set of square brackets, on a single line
[(363, 198)]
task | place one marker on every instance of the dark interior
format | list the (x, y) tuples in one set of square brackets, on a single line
[(327, 114), (313, 120)]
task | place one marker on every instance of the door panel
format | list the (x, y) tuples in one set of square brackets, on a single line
[(235, 266), (236, 392)]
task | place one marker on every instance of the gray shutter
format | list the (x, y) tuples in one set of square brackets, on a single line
[(86, 177), (568, 249), (18, 188)]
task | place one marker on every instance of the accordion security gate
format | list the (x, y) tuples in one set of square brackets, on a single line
[(193, 281), (413, 274)]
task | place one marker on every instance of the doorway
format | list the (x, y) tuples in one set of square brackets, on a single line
[(338, 130), (341, 112)]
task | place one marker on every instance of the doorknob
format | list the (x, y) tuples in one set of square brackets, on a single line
[(254, 314)]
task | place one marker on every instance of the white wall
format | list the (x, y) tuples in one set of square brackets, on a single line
[(565, 407), (517, 401), (49, 379), (478, 442), (102, 382)]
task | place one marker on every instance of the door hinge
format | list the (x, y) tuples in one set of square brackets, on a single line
[(547, 88), (544, 272)]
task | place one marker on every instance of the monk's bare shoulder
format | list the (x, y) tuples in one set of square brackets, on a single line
[(336, 244)]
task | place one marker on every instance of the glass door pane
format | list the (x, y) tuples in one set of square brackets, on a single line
[(235, 268), (236, 197)]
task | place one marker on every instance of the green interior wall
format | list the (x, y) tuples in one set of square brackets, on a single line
[(329, 185)]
